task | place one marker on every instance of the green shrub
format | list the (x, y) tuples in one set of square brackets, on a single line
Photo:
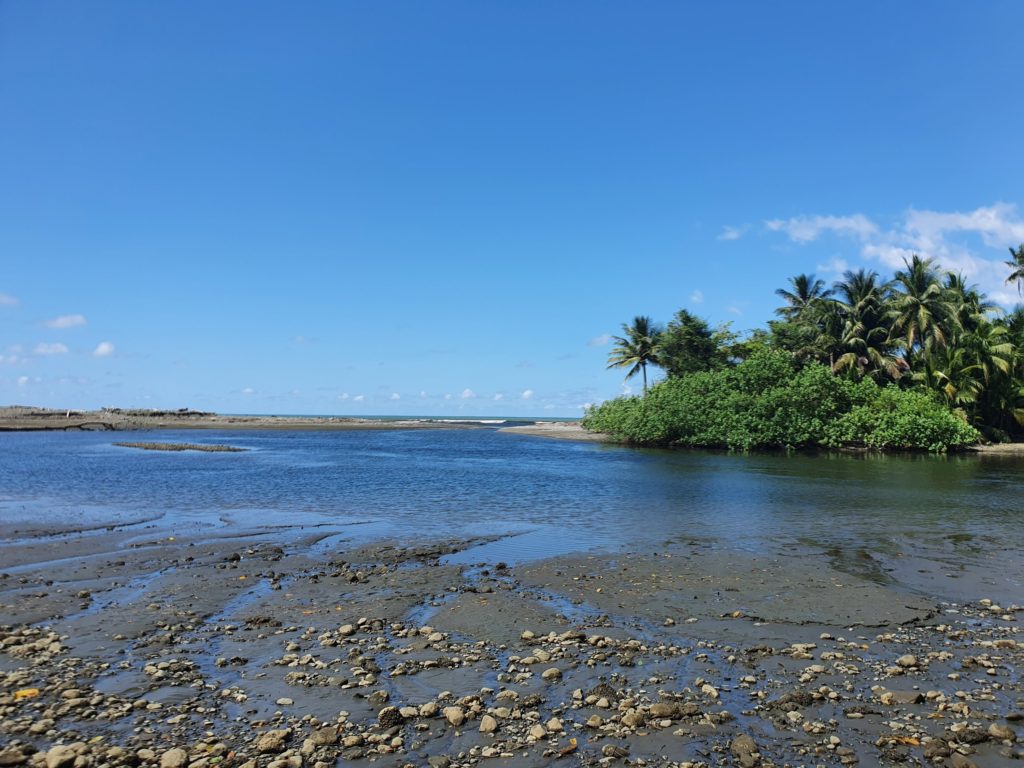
[(767, 402)]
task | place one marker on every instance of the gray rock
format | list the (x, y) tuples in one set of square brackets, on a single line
[(744, 748)]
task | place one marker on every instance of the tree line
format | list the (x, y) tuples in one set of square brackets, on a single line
[(924, 332)]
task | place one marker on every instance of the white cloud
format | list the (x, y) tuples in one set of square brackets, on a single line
[(499, 396), (248, 391), (467, 394), (734, 309), (6, 300), (50, 349), (22, 381), (358, 399), (395, 396), (527, 394), (103, 349), (65, 321), (448, 396), (805, 229), (834, 267), (600, 341), (343, 396), (697, 297), (423, 395), (626, 389), (732, 233), (972, 242)]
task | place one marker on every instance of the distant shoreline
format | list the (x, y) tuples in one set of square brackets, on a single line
[(28, 419)]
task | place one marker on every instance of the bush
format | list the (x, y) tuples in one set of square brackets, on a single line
[(766, 402)]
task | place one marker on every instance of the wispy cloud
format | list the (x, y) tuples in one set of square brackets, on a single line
[(50, 349), (600, 341), (358, 399), (6, 300), (499, 396), (343, 396), (395, 396), (972, 242), (65, 321), (467, 394), (732, 233), (22, 381), (248, 391), (527, 394), (103, 349), (806, 229), (733, 309), (697, 297)]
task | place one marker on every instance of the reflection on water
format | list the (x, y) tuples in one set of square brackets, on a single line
[(555, 496)]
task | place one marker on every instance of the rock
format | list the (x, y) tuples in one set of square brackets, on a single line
[(389, 717), (907, 660), (595, 721), (346, 629), (439, 761), (744, 748), (614, 750), (324, 737), (428, 710), (936, 748), (60, 756), (455, 715), (633, 719), (960, 761), (174, 758), (285, 702), (538, 731), (554, 673), (12, 756), (902, 697), (663, 709), (1001, 732), (273, 741), (488, 724)]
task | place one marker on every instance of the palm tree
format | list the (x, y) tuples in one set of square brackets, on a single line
[(636, 348), (921, 312), (1017, 265), (865, 342), (807, 292)]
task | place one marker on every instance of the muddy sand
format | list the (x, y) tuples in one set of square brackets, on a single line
[(136, 645)]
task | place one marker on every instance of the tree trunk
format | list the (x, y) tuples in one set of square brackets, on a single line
[(643, 367)]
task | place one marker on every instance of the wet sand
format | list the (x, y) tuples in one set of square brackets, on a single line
[(287, 646)]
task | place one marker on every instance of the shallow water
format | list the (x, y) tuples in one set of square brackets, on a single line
[(558, 497)]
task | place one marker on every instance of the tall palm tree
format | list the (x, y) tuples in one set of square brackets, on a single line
[(1017, 265), (866, 345), (921, 312), (636, 348), (806, 292), (970, 305)]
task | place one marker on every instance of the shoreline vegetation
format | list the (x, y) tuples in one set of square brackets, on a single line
[(919, 362)]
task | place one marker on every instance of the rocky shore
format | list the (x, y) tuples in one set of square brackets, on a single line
[(293, 647)]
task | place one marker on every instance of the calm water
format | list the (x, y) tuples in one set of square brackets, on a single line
[(557, 496)]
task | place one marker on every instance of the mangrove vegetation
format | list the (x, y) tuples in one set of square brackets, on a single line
[(920, 361)]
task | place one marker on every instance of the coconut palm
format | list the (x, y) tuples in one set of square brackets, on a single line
[(1016, 264), (921, 312), (636, 348), (806, 292), (865, 342)]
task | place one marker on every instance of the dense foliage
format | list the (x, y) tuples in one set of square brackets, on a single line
[(921, 361)]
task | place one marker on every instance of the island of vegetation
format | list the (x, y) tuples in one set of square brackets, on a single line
[(923, 361)]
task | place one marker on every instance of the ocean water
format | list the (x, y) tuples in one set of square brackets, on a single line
[(543, 497)]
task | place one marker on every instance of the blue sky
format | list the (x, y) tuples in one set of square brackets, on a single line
[(446, 207)]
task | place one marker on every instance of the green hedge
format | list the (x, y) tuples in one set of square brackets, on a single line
[(767, 402)]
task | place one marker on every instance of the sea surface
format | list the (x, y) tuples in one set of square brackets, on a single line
[(544, 497)]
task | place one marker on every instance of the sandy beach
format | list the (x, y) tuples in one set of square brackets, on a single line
[(289, 646)]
